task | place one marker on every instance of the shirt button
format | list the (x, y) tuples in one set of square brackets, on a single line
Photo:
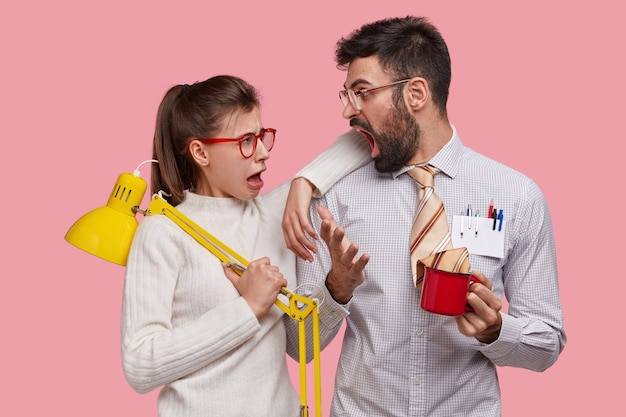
[(418, 381), (420, 334), (335, 313)]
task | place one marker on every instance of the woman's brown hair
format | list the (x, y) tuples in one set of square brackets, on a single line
[(187, 112)]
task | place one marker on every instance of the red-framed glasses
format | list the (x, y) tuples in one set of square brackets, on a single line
[(247, 142)]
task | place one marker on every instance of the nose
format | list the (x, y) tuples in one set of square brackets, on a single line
[(349, 111), (261, 153)]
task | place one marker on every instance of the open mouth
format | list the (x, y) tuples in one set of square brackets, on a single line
[(367, 135), (370, 139), (255, 182)]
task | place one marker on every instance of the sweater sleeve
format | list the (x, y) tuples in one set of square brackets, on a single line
[(347, 153), (155, 351)]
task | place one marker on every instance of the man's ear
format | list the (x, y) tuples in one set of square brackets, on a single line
[(417, 93), (199, 152)]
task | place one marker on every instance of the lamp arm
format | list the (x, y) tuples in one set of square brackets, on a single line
[(158, 205), (299, 308)]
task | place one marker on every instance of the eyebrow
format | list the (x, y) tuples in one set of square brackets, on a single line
[(357, 82), (255, 133)]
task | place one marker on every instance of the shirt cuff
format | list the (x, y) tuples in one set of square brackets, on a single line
[(331, 312), (509, 338)]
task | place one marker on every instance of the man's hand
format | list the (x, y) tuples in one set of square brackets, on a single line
[(485, 322), (296, 219), (347, 270)]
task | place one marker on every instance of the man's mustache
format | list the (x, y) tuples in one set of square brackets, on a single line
[(360, 123)]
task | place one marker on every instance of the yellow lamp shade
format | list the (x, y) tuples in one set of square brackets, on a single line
[(108, 231)]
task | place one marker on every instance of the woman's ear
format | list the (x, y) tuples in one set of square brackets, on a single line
[(417, 93), (199, 152)]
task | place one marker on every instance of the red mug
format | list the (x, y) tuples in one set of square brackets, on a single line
[(445, 292)]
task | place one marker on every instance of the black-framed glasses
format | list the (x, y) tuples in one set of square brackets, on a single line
[(247, 142), (354, 97)]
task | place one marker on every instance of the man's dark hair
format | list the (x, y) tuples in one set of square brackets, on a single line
[(406, 47)]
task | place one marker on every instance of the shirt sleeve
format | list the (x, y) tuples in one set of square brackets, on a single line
[(312, 284), (331, 316), (532, 334), (347, 153)]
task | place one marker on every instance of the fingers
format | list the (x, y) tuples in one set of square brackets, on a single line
[(484, 302), (329, 226), (325, 214), (360, 264), (231, 274), (305, 224), (294, 228), (262, 268), (480, 295), (480, 277), (296, 224), (332, 234), (485, 321), (347, 256), (259, 285), (341, 248)]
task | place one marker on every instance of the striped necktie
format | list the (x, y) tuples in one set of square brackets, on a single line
[(431, 243)]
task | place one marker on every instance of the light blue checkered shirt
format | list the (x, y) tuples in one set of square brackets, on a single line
[(398, 360)]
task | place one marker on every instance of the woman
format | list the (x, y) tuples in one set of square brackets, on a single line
[(216, 348)]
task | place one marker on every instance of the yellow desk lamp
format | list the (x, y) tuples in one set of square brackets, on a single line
[(107, 232)]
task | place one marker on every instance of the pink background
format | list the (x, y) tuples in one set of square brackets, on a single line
[(536, 84)]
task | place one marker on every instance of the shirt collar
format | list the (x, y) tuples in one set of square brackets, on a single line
[(447, 160)]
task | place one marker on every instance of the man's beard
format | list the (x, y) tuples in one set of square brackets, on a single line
[(398, 139)]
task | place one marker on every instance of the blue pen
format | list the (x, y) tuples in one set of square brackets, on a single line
[(500, 219), (469, 214)]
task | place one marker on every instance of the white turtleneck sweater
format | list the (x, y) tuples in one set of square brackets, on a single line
[(187, 329)]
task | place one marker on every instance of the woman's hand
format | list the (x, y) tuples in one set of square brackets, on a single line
[(259, 284), (296, 220)]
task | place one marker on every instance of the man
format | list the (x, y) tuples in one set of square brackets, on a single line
[(397, 359)]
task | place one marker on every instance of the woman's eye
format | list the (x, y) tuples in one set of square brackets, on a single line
[(247, 139)]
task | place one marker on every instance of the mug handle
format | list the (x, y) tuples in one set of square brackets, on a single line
[(468, 308)]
